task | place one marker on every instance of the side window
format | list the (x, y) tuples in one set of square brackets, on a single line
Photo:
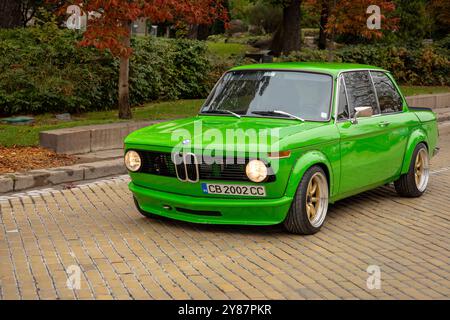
[(360, 91), (388, 97), (342, 113)]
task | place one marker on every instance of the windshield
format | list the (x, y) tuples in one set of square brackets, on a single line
[(284, 94)]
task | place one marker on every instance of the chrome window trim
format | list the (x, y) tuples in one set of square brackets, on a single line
[(338, 86), (375, 91)]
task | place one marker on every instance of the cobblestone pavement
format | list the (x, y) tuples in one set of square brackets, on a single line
[(46, 235)]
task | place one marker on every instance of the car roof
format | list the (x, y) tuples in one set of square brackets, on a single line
[(332, 68)]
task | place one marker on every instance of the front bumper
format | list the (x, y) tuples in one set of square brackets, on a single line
[(212, 210)]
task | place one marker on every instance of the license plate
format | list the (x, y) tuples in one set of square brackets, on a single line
[(234, 189)]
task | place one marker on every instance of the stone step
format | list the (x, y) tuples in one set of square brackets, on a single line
[(100, 155), (85, 139)]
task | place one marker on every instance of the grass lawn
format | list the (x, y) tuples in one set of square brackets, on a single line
[(416, 90), (28, 135), (225, 50)]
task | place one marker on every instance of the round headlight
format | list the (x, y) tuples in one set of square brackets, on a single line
[(256, 170), (133, 160)]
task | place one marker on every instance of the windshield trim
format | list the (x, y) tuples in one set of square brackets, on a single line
[(267, 70)]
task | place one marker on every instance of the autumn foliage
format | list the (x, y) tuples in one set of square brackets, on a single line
[(350, 16), (108, 28)]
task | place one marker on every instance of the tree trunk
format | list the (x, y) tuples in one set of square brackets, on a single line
[(10, 14), (192, 31), (203, 32), (287, 37), (124, 72), (323, 23)]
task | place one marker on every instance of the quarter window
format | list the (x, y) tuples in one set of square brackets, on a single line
[(388, 97), (343, 104), (360, 91)]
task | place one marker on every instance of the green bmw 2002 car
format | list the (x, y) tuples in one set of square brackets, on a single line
[(276, 143)]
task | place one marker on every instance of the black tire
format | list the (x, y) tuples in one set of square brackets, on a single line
[(297, 220), (406, 185), (144, 213)]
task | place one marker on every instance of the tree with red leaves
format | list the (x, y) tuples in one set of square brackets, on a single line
[(350, 17), (110, 29)]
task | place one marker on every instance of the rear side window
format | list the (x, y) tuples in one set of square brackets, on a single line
[(388, 96), (360, 91)]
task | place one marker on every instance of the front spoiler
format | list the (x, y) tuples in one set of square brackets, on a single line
[(212, 210)]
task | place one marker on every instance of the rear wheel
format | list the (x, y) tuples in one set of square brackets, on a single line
[(310, 205), (415, 181)]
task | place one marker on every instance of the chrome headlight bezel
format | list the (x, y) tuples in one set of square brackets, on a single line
[(133, 161), (256, 170)]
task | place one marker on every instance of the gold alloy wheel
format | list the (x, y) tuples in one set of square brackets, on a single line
[(317, 199), (421, 170)]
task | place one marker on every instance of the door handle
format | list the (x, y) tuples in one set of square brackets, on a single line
[(384, 124)]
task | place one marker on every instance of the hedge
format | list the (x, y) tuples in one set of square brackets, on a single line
[(42, 69), (427, 65)]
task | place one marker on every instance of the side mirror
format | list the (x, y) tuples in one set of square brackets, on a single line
[(361, 112)]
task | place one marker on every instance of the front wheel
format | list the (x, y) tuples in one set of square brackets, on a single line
[(310, 205), (415, 181)]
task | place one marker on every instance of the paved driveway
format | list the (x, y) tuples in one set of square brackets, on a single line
[(95, 232)]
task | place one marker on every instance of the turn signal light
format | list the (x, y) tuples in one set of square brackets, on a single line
[(279, 155)]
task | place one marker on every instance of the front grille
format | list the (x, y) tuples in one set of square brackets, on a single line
[(161, 163), (158, 163), (223, 171)]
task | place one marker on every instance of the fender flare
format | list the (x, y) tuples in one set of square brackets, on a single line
[(416, 137), (303, 163)]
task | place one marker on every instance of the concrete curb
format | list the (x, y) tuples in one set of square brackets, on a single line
[(55, 176)]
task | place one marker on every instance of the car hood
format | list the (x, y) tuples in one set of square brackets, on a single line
[(223, 132)]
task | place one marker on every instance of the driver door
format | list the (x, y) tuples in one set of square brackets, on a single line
[(363, 143)]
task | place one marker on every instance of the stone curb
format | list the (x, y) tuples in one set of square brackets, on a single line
[(48, 177)]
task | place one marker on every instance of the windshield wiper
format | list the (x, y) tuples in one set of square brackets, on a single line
[(278, 112), (222, 112)]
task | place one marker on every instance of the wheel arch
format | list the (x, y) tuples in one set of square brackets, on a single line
[(416, 137), (303, 163)]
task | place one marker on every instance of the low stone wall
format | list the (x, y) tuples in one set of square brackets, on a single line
[(434, 101), (86, 139)]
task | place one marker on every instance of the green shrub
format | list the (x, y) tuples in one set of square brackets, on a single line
[(428, 65), (42, 69), (168, 69)]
